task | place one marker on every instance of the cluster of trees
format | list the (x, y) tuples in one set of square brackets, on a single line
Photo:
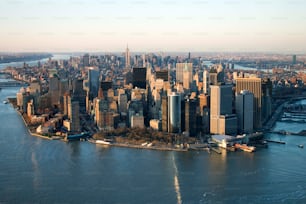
[(139, 135)]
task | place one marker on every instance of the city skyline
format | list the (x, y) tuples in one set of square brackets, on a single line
[(197, 26)]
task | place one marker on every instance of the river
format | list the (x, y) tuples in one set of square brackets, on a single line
[(34, 170), (35, 62)]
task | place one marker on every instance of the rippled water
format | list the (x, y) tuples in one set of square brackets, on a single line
[(37, 170)]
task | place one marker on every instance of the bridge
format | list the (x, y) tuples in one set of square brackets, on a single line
[(12, 84), (5, 74)]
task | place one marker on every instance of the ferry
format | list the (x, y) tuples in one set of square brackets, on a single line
[(102, 142), (245, 148), (301, 146), (5, 102)]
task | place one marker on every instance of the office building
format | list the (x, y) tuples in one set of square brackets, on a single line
[(122, 102), (190, 116), (93, 82), (244, 111), (86, 61), (162, 74), (227, 124), (206, 82), (139, 77), (293, 59), (180, 67), (164, 108), (220, 109), (127, 57), (266, 88), (174, 113), (254, 85), (137, 121), (73, 115)]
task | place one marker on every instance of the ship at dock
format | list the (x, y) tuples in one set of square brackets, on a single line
[(102, 142), (245, 148)]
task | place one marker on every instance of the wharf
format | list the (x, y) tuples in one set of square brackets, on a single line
[(276, 141), (216, 150)]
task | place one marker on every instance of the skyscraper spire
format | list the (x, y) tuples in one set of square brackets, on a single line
[(127, 57)]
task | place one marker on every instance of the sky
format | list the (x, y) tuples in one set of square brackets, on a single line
[(153, 25)]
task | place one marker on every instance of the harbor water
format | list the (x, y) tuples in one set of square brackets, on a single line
[(34, 170)]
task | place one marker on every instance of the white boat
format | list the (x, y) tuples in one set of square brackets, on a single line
[(102, 142), (5, 102)]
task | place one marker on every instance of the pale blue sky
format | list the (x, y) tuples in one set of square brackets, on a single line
[(195, 25)]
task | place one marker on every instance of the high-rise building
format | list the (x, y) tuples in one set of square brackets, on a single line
[(54, 90), (162, 74), (79, 93), (93, 81), (266, 88), (180, 67), (190, 116), (86, 61), (139, 77), (164, 108), (204, 102), (253, 85), (205, 82), (122, 102), (174, 113), (66, 98), (221, 110), (127, 57), (73, 114), (216, 75), (244, 111), (293, 59), (187, 76), (137, 121)]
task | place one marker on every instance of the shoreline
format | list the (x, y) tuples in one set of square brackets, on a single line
[(27, 126), (124, 145), (145, 147)]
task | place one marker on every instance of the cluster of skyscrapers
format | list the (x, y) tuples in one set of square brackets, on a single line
[(180, 98)]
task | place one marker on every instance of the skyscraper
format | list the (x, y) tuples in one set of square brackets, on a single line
[(139, 77), (205, 82), (244, 111), (93, 81), (221, 117), (174, 113), (86, 61), (253, 85), (266, 87), (187, 76), (127, 57), (162, 74), (73, 114), (190, 116), (293, 59), (180, 68), (54, 90), (164, 109)]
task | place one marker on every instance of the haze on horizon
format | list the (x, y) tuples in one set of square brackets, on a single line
[(183, 26)]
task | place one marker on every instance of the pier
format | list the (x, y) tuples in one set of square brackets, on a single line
[(216, 150), (276, 141)]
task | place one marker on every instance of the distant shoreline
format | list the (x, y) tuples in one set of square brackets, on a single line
[(12, 58)]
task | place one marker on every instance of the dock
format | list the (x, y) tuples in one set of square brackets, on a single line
[(276, 141), (216, 150)]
